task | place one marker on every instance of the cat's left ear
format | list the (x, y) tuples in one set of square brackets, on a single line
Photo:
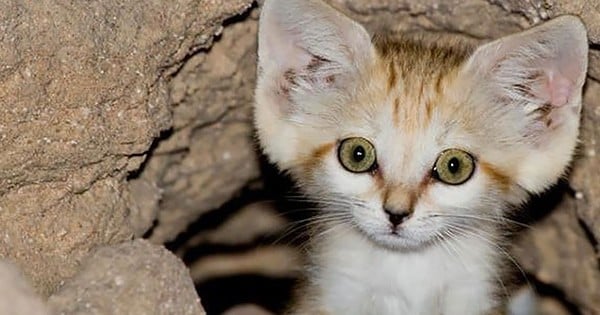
[(309, 56), (536, 77)]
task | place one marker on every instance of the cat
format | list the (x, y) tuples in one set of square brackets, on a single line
[(415, 151)]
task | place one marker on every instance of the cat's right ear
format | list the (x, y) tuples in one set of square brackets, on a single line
[(533, 80), (307, 52), (306, 44)]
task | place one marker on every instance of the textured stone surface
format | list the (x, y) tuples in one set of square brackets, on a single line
[(83, 93), (210, 156), (130, 278), (586, 172), (454, 16)]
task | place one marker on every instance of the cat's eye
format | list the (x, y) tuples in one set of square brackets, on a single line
[(357, 155), (454, 167)]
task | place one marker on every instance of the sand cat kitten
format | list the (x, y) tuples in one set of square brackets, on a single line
[(415, 151)]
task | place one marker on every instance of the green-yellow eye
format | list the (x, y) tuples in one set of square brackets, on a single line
[(454, 167), (357, 155)]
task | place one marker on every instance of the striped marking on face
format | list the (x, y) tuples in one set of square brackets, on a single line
[(314, 159), (499, 177)]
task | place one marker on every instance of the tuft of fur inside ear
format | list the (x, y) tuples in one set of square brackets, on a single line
[(536, 77), (307, 53)]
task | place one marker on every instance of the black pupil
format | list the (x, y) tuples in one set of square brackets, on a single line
[(359, 154), (453, 165)]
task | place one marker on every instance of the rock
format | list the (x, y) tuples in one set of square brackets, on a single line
[(83, 94), (211, 154), (129, 278), (585, 178)]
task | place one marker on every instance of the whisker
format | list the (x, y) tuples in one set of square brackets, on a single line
[(462, 229), (451, 246), (309, 222), (495, 275), (482, 218)]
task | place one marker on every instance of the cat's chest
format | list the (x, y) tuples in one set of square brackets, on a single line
[(359, 279)]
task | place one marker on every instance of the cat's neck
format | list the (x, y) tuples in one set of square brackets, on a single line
[(356, 276)]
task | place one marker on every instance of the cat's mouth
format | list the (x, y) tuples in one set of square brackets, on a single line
[(399, 238)]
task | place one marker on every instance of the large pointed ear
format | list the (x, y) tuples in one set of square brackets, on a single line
[(309, 38), (307, 52), (536, 77)]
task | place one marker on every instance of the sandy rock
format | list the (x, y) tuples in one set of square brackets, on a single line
[(211, 154), (586, 171), (455, 16), (17, 296), (129, 278), (83, 94), (594, 64)]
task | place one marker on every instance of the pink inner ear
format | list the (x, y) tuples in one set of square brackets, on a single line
[(558, 88)]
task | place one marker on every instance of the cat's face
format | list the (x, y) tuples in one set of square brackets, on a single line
[(410, 142), (401, 172)]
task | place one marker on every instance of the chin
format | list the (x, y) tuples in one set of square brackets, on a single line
[(399, 241)]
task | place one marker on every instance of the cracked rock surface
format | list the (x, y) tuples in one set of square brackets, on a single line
[(83, 94)]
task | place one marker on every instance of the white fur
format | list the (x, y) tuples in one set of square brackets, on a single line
[(360, 279)]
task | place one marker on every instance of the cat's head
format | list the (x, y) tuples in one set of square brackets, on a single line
[(406, 140)]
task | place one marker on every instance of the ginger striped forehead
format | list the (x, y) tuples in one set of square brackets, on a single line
[(420, 56), (411, 75)]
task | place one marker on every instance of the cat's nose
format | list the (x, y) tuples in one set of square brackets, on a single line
[(397, 217)]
